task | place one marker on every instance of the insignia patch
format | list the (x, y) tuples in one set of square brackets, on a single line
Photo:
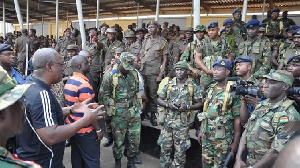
[(283, 120), (295, 60), (222, 63)]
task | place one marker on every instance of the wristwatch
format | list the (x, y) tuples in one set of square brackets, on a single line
[(188, 107), (99, 130)]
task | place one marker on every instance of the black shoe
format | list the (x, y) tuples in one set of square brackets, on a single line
[(118, 163), (130, 162), (108, 142), (137, 160), (68, 143)]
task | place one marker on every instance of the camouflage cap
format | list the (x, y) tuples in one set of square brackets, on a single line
[(182, 64), (9, 91), (119, 50), (130, 34), (200, 28), (72, 47), (281, 75), (5, 47), (127, 60), (111, 30)]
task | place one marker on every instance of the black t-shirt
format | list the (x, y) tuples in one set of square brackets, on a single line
[(42, 110)]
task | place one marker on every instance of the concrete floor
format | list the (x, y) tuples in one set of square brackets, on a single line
[(107, 160)]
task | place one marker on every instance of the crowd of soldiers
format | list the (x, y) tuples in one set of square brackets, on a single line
[(183, 83)]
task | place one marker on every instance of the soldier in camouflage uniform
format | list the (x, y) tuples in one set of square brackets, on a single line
[(289, 52), (119, 95), (287, 22), (257, 49), (190, 50), (153, 65), (209, 51), (220, 120), (238, 25), (264, 137), (62, 44), (232, 38), (179, 97), (274, 27), (13, 110)]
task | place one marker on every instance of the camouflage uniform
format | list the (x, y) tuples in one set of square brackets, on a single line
[(233, 42), (217, 124), (58, 92), (109, 50), (239, 29), (176, 128), (7, 161), (61, 47), (191, 50), (174, 48), (121, 102), (260, 52), (287, 53), (210, 54), (263, 127)]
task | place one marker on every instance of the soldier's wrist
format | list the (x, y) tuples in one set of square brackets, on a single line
[(167, 105)]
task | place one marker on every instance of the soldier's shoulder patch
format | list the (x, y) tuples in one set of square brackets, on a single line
[(283, 120)]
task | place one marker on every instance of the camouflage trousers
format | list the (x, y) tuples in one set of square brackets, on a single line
[(181, 140), (126, 127), (214, 152), (205, 81)]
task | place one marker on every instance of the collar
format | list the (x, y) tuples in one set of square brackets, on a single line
[(80, 75), (39, 82), (13, 71), (174, 82)]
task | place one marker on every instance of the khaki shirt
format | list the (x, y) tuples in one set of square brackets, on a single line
[(62, 45), (20, 47), (134, 48), (151, 55)]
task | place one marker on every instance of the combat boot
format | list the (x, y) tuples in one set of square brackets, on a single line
[(130, 162), (152, 119), (118, 163), (109, 140)]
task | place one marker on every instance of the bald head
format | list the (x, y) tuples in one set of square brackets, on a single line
[(43, 56), (84, 53), (77, 60)]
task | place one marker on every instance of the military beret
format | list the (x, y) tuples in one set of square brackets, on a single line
[(223, 63), (111, 30), (182, 64), (222, 30), (236, 10), (5, 47), (292, 27), (200, 28), (281, 75), (212, 24), (275, 10), (189, 29), (72, 47), (295, 58), (228, 22), (252, 23), (296, 32), (243, 59)]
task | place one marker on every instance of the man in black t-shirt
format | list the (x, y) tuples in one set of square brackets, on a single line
[(44, 132)]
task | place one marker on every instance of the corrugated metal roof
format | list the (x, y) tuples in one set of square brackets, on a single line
[(118, 8)]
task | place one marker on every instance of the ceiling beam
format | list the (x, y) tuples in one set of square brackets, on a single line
[(102, 6), (146, 5)]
